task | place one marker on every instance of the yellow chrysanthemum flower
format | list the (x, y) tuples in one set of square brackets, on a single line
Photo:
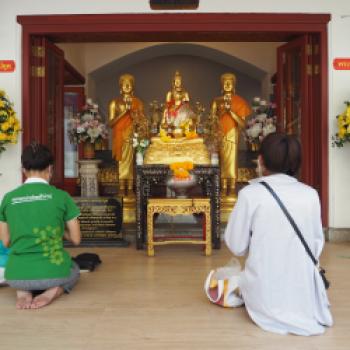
[(342, 132), (5, 126), (16, 127), (11, 120), (9, 125), (347, 111)]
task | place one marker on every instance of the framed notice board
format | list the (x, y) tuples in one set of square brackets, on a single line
[(101, 221)]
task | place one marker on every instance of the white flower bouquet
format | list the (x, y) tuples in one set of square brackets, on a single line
[(87, 126), (261, 123), (140, 144)]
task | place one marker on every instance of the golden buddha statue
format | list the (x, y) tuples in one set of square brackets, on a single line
[(122, 111), (177, 112), (177, 140), (231, 111)]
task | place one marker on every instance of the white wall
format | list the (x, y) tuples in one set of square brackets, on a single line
[(339, 29), (339, 91), (87, 57), (75, 55)]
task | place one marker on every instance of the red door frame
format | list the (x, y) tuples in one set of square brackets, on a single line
[(58, 178), (187, 27), (284, 102)]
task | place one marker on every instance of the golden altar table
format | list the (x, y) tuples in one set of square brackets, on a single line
[(178, 206)]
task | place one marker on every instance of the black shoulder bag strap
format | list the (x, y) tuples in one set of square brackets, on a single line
[(297, 231)]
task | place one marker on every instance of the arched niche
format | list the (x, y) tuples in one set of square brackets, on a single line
[(154, 68)]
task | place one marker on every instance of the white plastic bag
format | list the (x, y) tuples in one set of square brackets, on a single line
[(222, 285), (2, 277)]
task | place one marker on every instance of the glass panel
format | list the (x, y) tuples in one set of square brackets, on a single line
[(71, 100), (52, 103), (295, 82)]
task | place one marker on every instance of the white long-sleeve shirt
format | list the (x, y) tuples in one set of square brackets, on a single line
[(282, 289)]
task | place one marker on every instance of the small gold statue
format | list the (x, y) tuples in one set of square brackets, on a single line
[(231, 111), (156, 111), (122, 112), (177, 113)]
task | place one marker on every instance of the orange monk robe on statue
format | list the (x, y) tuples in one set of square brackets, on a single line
[(123, 128), (240, 107), (231, 111)]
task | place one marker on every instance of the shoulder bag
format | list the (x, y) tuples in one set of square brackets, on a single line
[(297, 231)]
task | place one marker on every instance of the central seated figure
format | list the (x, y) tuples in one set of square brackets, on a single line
[(177, 140), (178, 115)]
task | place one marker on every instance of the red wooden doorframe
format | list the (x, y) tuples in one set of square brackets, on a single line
[(194, 27), (46, 95), (291, 96)]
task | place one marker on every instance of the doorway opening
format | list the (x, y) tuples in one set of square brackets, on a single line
[(301, 89)]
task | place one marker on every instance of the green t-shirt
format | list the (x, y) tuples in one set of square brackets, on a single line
[(36, 214)]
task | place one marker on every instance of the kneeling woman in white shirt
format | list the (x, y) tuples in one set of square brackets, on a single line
[(281, 287)]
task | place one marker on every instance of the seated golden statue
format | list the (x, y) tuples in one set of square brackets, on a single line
[(122, 112), (231, 111), (177, 140), (177, 113)]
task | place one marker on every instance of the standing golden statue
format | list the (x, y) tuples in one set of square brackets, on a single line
[(122, 112), (231, 111), (177, 111)]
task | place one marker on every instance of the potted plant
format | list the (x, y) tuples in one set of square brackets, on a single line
[(343, 134), (9, 123)]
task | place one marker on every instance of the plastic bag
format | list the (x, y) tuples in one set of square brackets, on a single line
[(222, 285), (4, 252)]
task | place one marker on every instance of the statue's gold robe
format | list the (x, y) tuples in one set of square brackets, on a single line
[(230, 129), (122, 148)]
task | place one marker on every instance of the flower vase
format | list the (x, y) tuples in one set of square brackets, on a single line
[(98, 145), (139, 158), (88, 150)]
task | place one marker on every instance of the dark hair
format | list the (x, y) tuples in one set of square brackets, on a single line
[(36, 157), (281, 153)]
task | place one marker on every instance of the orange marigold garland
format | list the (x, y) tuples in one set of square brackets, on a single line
[(181, 170)]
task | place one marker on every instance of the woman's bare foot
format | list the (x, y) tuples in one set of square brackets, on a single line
[(47, 297), (24, 300)]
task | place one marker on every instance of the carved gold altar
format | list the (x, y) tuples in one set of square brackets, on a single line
[(177, 150), (174, 206), (178, 137)]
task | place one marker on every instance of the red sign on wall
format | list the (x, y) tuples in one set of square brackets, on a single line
[(341, 63), (7, 66)]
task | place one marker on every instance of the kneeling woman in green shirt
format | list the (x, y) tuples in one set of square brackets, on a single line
[(34, 218)]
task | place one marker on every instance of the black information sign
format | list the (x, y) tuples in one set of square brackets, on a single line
[(100, 221), (174, 4)]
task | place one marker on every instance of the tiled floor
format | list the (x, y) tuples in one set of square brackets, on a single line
[(135, 302)]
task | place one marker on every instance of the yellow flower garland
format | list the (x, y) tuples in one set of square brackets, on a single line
[(9, 124)]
